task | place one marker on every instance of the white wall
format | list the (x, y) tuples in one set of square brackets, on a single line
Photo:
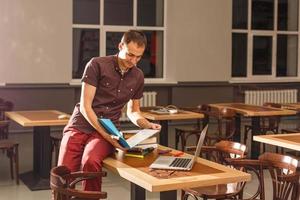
[(35, 41), (199, 40)]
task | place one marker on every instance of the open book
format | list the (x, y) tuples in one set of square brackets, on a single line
[(132, 141)]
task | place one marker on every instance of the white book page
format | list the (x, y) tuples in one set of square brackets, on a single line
[(140, 136)]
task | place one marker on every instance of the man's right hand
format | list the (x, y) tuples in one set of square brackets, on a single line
[(115, 142)]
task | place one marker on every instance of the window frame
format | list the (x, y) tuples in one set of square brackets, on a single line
[(250, 78), (116, 28)]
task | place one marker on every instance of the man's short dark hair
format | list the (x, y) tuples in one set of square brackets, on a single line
[(135, 36)]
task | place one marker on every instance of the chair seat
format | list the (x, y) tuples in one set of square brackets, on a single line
[(7, 144), (216, 191)]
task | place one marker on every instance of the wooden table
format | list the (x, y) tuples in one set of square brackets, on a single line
[(164, 118), (255, 113), (291, 140), (136, 170), (291, 106), (40, 120)]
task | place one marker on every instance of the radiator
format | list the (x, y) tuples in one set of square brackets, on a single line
[(259, 97), (149, 99)]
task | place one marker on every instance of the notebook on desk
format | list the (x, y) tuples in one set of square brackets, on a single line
[(181, 163)]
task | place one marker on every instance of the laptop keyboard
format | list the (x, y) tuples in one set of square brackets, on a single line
[(180, 162)]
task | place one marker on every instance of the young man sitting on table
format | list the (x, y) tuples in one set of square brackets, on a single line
[(108, 83)]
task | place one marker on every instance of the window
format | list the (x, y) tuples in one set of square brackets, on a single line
[(265, 40), (98, 26)]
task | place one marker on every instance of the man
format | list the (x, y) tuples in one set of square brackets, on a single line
[(108, 83)]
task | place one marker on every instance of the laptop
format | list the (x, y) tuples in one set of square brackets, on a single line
[(180, 163)]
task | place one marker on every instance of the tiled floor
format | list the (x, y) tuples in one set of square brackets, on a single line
[(116, 187)]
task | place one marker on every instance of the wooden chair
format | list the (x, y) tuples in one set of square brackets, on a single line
[(182, 134), (231, 154), (8, 146), (285, 179), (56, 138), (267, 124), (63, 182), (225, 130)]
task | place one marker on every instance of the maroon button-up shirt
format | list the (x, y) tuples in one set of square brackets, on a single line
[(113, 91)]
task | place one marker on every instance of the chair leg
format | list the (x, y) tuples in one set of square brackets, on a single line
[(176, 138), (16, 158), (183, 141), (10, 154), (246, 135)]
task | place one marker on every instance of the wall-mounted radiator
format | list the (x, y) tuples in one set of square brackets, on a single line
[(259, 97), (149, 99)]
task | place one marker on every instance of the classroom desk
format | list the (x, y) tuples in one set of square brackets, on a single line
[(255, 113), (40, 120), (290, 141), (136, 171), (164, 118)]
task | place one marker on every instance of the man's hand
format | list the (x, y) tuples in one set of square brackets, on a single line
[(155, 126), (114, 140)]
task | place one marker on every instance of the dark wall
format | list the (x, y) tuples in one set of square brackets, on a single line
[(63, 97)]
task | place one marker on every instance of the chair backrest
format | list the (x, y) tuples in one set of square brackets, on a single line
[(225, 118), (229, 149), (285, 179), (62, 183), (256, 168), (271, 121), (4, 106), (233, 154), (222, 151)]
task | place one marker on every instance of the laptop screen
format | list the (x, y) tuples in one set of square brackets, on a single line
[(200, 143)]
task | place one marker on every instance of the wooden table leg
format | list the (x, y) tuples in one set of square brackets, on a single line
[(255, 146), (168, 195), (237, 134), (38, 179), (163, 135), (137, 192)]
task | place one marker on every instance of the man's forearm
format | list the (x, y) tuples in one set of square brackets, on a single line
[(139, 120), (143, 123), (91, 117)]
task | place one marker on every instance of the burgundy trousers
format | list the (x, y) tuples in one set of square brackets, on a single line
[(81, 151)]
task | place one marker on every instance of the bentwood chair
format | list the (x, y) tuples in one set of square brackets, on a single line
[(225, 129), (231, 154), (63, 182), (6, 145), (285, 179), (183, 134)]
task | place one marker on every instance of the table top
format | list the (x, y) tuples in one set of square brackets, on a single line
[(253, 110), (182, 114), (38, 117), (291, 140), (204, 173), (291, 106)]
